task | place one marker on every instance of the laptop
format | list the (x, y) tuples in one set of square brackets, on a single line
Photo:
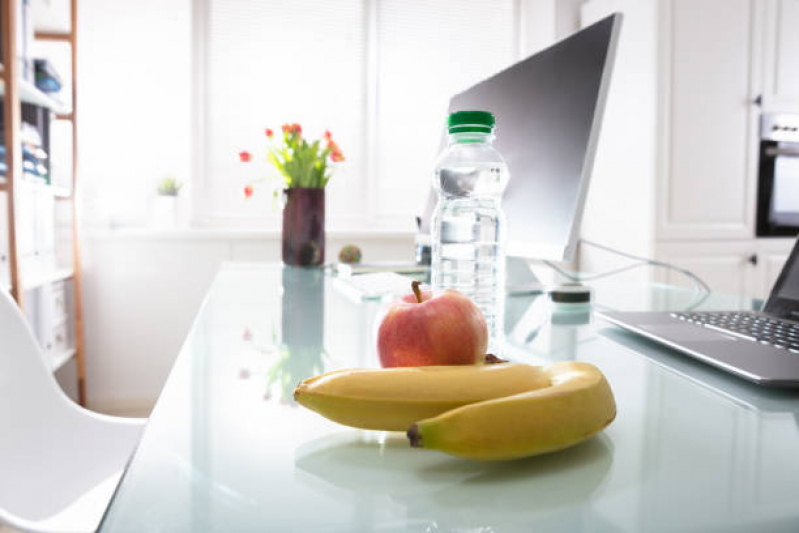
[(760, 346)]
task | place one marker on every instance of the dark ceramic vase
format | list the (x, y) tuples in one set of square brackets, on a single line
[(304, 227)]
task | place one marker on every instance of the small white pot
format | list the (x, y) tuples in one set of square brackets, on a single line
[(164, 212)]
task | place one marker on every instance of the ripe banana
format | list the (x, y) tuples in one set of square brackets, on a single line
[(578, 404), (394, 398)]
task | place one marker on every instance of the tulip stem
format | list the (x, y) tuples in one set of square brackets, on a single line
[(416, 291)]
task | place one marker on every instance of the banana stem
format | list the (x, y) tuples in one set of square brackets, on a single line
[(416, 291)]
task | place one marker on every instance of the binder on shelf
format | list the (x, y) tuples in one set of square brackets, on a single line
[(61, 155), (5, 265), (47, 312)]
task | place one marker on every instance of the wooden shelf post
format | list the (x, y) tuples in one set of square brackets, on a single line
[(77, 278), (12, 113)]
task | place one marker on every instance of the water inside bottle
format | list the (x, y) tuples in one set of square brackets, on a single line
[(468, 240)]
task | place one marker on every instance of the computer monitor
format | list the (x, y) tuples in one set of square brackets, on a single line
[(548, 111)]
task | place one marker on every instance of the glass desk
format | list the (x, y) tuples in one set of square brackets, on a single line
[(226, 449)]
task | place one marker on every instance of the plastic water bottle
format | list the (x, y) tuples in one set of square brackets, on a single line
[(468, 226)]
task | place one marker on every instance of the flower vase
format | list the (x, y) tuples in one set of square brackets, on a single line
[(304, 227)]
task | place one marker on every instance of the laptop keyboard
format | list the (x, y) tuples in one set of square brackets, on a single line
[(781, 334)]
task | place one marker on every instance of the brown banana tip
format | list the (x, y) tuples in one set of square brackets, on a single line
[(414, 436), (491, 359), (297, 391)]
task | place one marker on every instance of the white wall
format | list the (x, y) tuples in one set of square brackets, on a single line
[(133, 104), (625, 163)]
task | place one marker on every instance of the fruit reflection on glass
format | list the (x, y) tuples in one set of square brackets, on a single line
[(424, 328)]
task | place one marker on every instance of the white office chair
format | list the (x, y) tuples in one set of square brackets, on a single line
[(59, 463)]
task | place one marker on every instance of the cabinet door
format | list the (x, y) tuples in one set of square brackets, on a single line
[(725, 266), (772, 255), (708, 131), (782, 51)]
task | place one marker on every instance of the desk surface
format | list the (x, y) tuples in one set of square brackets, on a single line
[(227, 450)]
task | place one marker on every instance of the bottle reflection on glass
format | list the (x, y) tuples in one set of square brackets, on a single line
[(302, 331)]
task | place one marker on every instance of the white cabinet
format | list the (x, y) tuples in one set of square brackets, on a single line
[(708, 122), (771, 256), (675, 175), (781, 87), (748, 267), (727, 267)]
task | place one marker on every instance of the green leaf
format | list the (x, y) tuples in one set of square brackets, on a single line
[(301, 163)]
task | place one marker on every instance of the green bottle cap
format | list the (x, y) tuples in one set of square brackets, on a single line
[(470, 121)]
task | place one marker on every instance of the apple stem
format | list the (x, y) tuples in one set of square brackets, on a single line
[(416, 291)]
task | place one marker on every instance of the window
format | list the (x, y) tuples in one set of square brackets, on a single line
[(377, 73)]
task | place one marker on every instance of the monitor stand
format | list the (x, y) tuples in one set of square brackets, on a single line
[(520, 278)]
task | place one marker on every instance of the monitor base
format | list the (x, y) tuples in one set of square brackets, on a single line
[(520, 278)]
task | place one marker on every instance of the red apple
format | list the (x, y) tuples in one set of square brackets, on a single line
[(424, 328)]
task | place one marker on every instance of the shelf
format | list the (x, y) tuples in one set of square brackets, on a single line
[(52, 16), (38, 279), (29, 93), (57, 36), (58, 360), (55, 190), (58, 192)]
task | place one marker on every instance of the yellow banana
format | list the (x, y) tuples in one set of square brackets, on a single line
[(394, 398), (578, 404)]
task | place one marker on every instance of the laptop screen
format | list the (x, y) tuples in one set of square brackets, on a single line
[(784, 298)]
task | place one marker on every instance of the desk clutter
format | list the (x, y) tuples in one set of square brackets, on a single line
[(373, 286)]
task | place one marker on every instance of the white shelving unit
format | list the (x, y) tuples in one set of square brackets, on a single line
[(30, 94), (40, 236), (60, 359), (36, 279)]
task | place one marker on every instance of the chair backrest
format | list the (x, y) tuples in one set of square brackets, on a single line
[(28, 389)]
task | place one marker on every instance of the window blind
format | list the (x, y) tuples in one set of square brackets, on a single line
[(377, 73)]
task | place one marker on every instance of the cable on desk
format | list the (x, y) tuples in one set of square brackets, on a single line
[(696, 279), (701, 289)]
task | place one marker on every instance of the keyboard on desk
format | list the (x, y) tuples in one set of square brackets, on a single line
[(782, 334)]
